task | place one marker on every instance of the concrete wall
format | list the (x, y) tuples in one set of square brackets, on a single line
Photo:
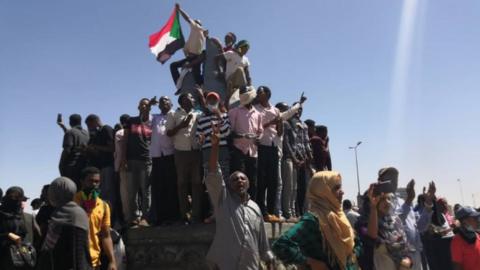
[(169, 248), (172, 248)]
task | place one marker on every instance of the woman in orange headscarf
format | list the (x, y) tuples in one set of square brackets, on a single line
[(323, 238)]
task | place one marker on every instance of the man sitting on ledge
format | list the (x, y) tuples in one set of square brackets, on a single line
[(240, 240)]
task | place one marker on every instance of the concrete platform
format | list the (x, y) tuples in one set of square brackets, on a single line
[(175, 247)]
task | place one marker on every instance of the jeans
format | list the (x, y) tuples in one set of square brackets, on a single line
[(308, 177), (195, 69), (267, 178), (278, 197), (301, 190), (188, 167), (289, 192), (138, 183), (247, 165), (164, 190)]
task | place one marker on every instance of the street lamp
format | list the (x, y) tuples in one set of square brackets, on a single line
[(356, 163)]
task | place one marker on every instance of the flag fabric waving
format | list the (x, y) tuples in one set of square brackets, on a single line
[(168, 40)]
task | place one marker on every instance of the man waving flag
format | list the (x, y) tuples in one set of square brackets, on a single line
[(168, 40)]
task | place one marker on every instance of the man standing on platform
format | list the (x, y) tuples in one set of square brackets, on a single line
[(164, 176), (119, 157), (247, 127), (268, 172), (193, 50), (181, 127), (304, 157), (73, 159), (321, 153), (138, 132)]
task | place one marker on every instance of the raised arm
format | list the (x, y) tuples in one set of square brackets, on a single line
[(214, 180), (183, 13), (406, 208), (201, 98), (373, 218)]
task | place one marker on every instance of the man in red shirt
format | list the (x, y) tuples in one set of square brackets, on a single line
[(465, 245)]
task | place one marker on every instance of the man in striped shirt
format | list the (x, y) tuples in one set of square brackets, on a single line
[(213, 115)]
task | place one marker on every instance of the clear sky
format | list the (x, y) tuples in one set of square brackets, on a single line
[(401, 76)]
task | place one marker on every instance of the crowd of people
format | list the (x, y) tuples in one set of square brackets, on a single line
[(238, 166)]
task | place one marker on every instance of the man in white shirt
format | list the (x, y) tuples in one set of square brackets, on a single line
[(236, 67), (163, 178), (181, 127), (193, 50), (351, 214)]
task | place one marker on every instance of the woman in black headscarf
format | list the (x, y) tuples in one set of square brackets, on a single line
[(16, 227), (66, 244)]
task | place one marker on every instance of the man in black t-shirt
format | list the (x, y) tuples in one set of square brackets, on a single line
[(73, 160), (138, 133), (100, 155)]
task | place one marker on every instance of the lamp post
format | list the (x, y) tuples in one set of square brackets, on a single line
[(461, 191), (356, 164)]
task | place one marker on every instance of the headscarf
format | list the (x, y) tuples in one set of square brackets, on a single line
[(67, 212), (11, 212), (12, 202), (242, 43), (334, 225), (392, 234)]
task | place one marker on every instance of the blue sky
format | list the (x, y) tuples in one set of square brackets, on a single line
[(92, 57)]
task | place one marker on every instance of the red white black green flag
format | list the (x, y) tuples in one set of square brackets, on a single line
[(168, 40)]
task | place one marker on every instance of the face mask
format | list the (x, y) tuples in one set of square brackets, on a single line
[(213, 107), (93, 191)]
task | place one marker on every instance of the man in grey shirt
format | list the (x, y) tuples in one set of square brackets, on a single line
[(240, 240)]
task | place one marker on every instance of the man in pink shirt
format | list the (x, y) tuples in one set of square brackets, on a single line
[(268, 154), (247, 128)]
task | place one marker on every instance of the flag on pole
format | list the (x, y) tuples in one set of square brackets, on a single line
[(168, 40)]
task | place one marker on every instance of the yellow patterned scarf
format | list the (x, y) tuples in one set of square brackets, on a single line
[(334, 225)]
